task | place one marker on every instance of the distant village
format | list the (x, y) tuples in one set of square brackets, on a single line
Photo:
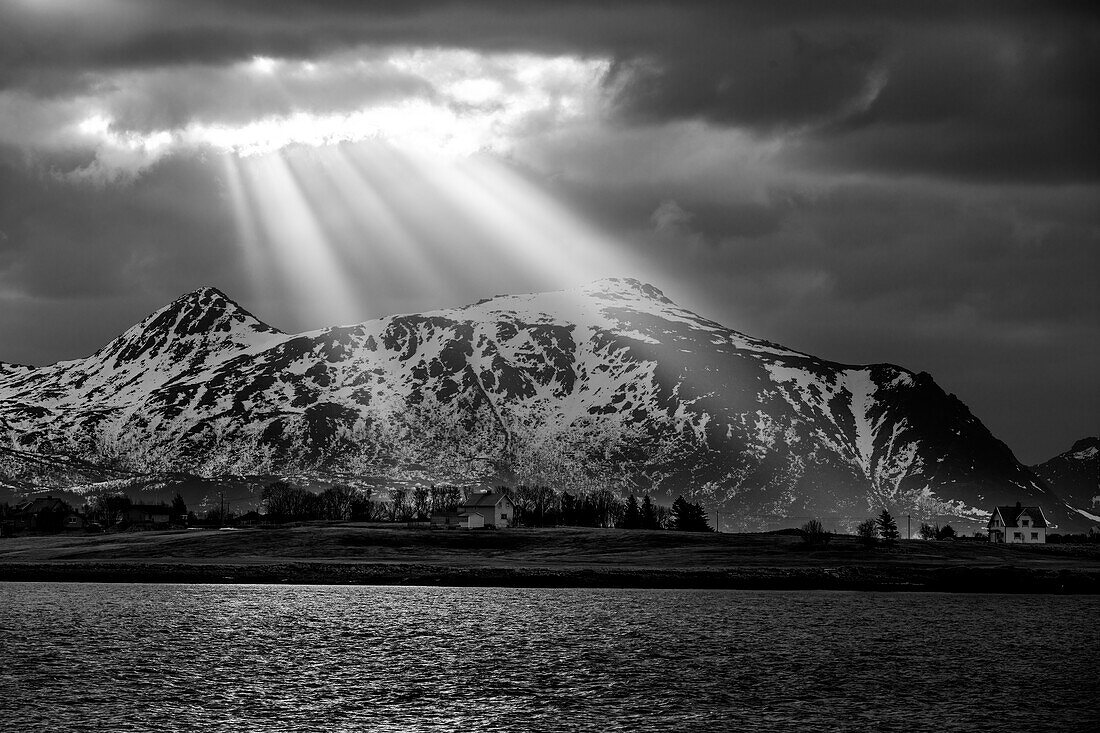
[(437, 507), (448, 507)]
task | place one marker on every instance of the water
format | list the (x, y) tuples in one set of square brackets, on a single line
[(322, 658)]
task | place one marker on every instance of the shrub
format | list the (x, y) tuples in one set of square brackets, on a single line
[(814, 533), (867, 531)]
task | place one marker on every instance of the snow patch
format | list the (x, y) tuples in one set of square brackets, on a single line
[(1087, 515), (862, 388)]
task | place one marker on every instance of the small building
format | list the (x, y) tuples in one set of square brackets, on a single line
[(1018, 525), (458, 520), (45, 514), (483, 509), (251, 519), (496, 509), (156, 516)]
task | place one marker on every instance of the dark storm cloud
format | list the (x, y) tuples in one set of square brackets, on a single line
[(764, 79), (65, 241), (976, 90), (919, 249), (626, 206), (978, 104), (993, 92), (993, 294)]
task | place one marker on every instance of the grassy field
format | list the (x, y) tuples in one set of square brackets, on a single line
[(353, 553)]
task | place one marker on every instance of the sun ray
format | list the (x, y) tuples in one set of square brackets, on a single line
[(335, 221), (371, 237), (370, 223), (297, 241), (513, 243), (591, 253), (431, 218), (243, 216)]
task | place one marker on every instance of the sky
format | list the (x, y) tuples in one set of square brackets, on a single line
[(912, 183)]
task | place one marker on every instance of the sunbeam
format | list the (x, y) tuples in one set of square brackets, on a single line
[(370, 239), (248, 235), (572, 239), (296, 241), (440, 229), (349, 227)]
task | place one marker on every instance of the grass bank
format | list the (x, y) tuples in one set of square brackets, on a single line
[(371, 554)]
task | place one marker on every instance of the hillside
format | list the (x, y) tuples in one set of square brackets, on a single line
[(610, 385), (1075, 477)]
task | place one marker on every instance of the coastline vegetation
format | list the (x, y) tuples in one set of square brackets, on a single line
[(394, 553), (536, 506), (348, 535), (283, 502)]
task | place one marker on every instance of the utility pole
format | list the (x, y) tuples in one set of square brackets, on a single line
[(908, 526)]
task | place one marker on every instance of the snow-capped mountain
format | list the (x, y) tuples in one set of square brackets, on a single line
[(610, 385), (1075, 477)]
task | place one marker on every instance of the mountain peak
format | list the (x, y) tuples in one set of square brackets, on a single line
[(204, 311), (608, 292), (624, 287), (1089, 446), (207, 292), (206, 296), (206, 314)]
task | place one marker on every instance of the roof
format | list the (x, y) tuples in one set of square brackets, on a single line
[(491, 499), (1010, 515), (456, 516), (42, 504), (152, 508)]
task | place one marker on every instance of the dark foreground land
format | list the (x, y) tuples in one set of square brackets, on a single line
[(363, 554)]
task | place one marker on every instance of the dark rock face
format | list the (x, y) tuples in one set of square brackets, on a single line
[(609, 385), (1074, 476)]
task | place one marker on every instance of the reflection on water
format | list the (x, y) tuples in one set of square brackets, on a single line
[(323, 658)]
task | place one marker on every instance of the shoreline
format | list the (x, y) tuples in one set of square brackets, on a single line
[(566, 557), (851, 577)]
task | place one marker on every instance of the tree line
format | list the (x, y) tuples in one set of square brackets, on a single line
[(104, 508), (882, 528), (535, 506)]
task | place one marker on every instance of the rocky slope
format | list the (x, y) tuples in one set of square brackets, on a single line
[(1075, 477), (606, 386)]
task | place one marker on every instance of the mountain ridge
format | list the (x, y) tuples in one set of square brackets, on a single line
[(1075, 476), (610, 385)]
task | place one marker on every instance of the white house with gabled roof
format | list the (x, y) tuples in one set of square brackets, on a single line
[(482, 509), (496, 509), (1018, 524)]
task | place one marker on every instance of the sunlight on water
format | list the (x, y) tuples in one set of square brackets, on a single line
[(311, 658)]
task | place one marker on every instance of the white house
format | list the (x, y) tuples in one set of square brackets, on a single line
[(455, 520), (483, 509), (1018, 524), (497, 509)]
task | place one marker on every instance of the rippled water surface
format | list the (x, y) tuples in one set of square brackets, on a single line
[(322, 658)]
